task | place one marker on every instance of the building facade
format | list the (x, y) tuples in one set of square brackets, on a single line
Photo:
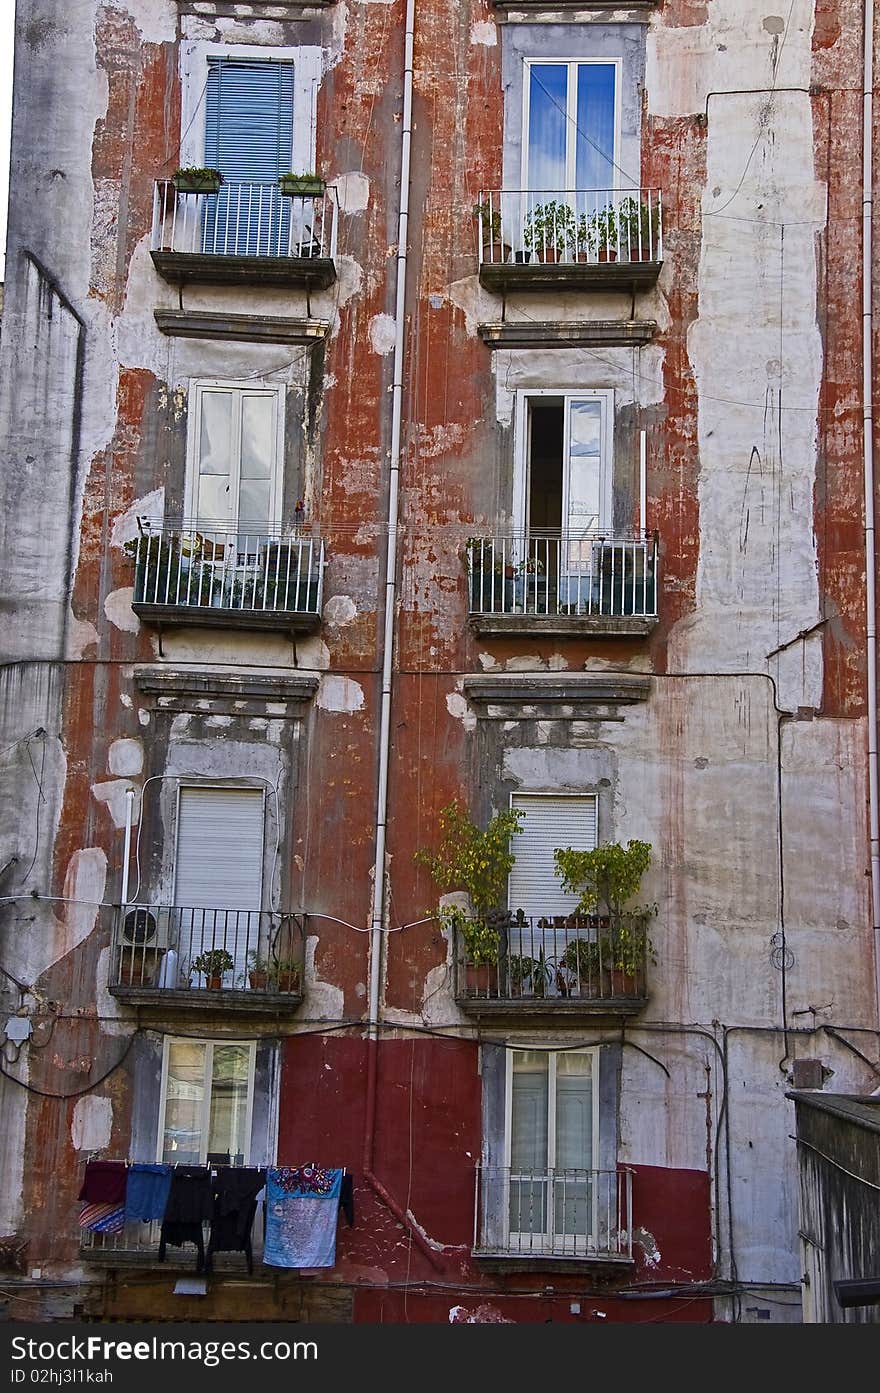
[(285, 572)]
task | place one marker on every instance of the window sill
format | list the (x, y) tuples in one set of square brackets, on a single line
[(249, 1003), (546, 1008), (498, 1260), (312, 272), (568, 275), (563, 625)]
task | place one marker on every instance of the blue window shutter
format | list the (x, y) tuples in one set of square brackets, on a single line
[(249, 120), (249, 138)]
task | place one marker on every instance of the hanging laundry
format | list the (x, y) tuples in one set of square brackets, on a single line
[(189, 1203), (346, 1198), (146, 1194), (235, 1191), (302, 1207), (102, 1218), (104, 1182)]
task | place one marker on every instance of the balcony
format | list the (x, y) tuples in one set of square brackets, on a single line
[(240, 960), (557, 966), (222, 578), (583, 239), (597, 583), (535, 1215), (138, 1246), (247, 234)]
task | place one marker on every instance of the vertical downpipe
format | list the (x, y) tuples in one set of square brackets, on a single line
[(868, 440)]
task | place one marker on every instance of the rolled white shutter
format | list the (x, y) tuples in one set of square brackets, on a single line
[(220, 848), (550, 821)]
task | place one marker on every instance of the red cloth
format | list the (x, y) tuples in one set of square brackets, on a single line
[(104, 1182)]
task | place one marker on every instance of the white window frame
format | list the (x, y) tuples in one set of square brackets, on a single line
[(307, 73), (511, 1235), (209, 1042), (522, 450), (234, 786), (198, 388), (571, 115)]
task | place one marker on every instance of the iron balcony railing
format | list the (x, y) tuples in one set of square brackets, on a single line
[(566, 226), (195, 565), (158, 948), (243, 220), (552, 1213), (138, 1244), (558, 959), (591, 572)]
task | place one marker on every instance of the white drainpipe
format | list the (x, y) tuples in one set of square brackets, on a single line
[(378, 911), (868, 439)]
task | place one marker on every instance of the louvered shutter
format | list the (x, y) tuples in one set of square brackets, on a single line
[(550, 821), (249, 138), (220, 848)]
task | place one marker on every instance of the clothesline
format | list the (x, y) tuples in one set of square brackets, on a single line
[(205, 1165)]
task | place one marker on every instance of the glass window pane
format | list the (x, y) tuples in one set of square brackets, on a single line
[(212, 504), (227, 1137), (584, 466), (253, 505), (184, 1100), (216, 433), (548, 90), (594, 158), (528, 1145), (574, 1111), (257, 436)]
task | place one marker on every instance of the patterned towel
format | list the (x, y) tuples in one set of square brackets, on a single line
[(302, 1207), (102, 1218)]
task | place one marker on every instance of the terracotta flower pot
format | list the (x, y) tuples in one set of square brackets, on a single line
[(214, 983), (607, 254)]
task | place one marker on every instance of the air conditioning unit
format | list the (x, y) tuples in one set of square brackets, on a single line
[(140, 927)]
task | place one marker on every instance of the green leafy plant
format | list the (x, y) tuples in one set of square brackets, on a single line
[(582, 956), (213, 962), (310, 185), (606, 879), (490, 220), (623, 227), (194, 177), (477, 862), (550, 226)]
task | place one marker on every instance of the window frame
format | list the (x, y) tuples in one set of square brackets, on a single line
[(522, 450), (571, 117), (594, 1051), (209, 1042), (584, 794), (198, 388)]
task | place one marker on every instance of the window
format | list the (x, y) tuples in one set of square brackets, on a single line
[(218, 879), (552, 1136), (563, 465), (235, 450), (249, 138), (570, 125), (206, 1102), (550, 821)]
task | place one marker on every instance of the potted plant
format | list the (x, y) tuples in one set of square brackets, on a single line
[(477, 862), (286, 579), (493, 246), (212, 964), (257, 971), (636, 231), (491, 576), (606, 879), (582, 963), (194, 179), (603, 233), (284, 975), (307, 185), (550, 231)]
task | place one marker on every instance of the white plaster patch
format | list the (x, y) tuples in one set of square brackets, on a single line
[(219, 721), (276, 708), (526, 663), (81, 634), (483, 31), (112, 793), (352, 192), (340, 610), (326, 1002), (157, 21), (92, 1123), (488, 662), (125, 528), (349, 280), (440, 441), (340, 694), (143, 716), (557, 662), (313, 653), (382, 334), (125, 757), (107, 1006), (126, 700), (458, 708), (477, 306)]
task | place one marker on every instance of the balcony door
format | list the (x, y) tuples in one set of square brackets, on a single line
[(552, 1142), (249, 138), (218, 882), (235, 449), (562, 490)]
